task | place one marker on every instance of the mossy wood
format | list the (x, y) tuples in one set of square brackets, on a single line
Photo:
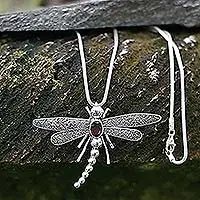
[(40, 76)]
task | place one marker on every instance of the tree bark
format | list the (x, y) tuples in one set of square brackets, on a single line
[(104, 14), (41, 77)]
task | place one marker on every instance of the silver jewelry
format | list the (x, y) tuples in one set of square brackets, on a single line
[(112, 60), (170, 143), (97, 129)]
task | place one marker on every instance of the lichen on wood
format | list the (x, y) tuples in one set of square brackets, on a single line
[(41, 77)]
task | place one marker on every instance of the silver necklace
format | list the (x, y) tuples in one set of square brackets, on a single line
[(170, 143), (112, 60), (97, 129)]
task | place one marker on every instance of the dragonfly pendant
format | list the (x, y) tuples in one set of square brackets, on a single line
[(96, 130)]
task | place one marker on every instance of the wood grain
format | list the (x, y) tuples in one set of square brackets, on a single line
[(104, 14), (40, 76)]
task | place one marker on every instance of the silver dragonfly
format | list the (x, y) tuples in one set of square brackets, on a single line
[(96, 131)]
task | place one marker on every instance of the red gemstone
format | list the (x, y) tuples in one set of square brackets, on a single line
[(96, 128)]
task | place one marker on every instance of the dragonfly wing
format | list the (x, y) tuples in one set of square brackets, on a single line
[(62, 124), (132, 120), (61, 138), (124, 133), (69, 128)]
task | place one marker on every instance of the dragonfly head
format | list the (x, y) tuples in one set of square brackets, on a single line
[(97, 112)]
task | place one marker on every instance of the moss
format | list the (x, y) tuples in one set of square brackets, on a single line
[(193, 82), (41, 77)]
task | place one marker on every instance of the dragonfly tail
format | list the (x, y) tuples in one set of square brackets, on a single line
[(94, 153), (91, 161)]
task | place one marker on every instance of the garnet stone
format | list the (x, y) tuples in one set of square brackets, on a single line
[(96, 128)]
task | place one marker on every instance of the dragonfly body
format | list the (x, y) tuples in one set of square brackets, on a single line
[(96, 130), (96, 125)]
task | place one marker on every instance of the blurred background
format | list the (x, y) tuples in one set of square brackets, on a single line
[(19, 5)]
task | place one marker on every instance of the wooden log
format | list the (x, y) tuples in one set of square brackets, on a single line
[(41, 77)]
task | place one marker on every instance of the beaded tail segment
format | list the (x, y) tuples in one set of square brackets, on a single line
[(91, 161)]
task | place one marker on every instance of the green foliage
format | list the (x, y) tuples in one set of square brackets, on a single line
[(50, 182), (15, 5)]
